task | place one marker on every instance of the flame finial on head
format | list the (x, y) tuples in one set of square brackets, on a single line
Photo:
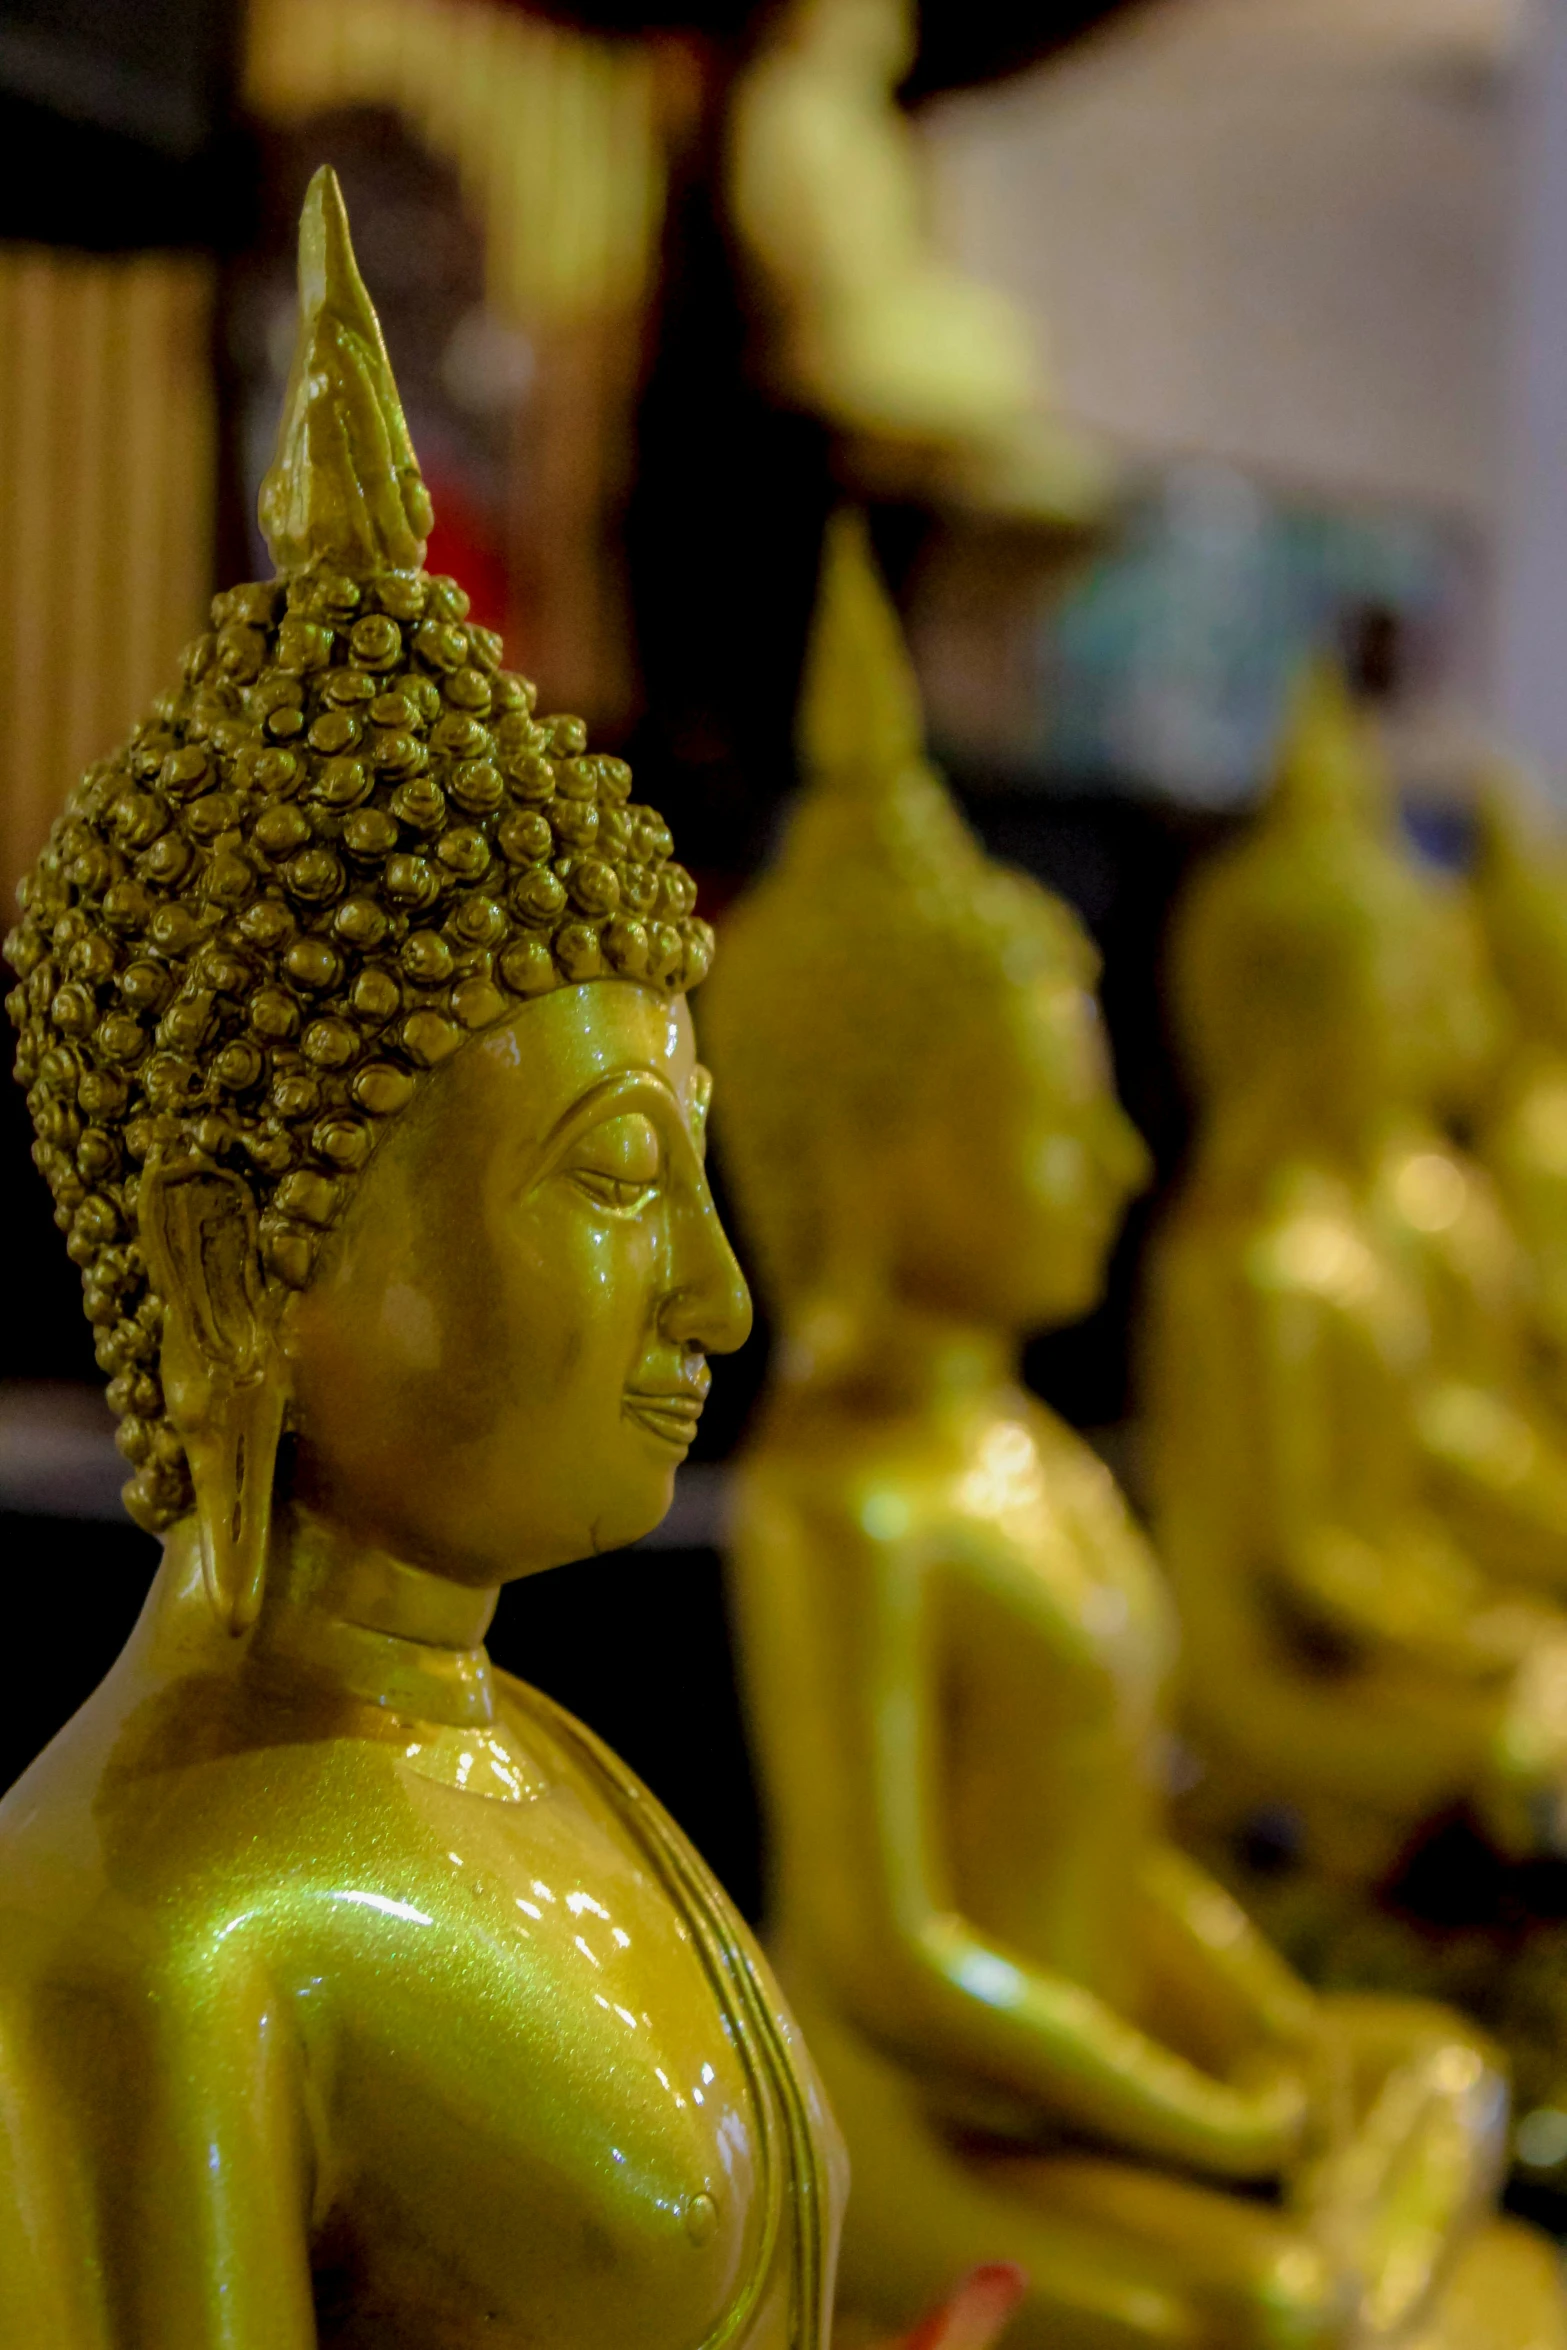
[(1514, 829), (880, 943), (1520, 888), (860, 717), (1330, 766), (344, 487)]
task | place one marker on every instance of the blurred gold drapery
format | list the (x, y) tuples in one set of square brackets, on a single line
[(106, 501), (555, 133), (560, 142)]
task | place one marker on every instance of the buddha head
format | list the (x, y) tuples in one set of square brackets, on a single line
[(1320, 976), (351, 1005), (1521, 889), (918, 1105)]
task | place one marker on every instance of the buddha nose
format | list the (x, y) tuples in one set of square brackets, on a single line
[(708, 1304), (1124, 1155)]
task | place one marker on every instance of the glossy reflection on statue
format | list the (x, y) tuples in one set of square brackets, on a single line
[(350, 1993), (1359, 1494), (1047, 2034), (1521, 892), (1360, 1488)]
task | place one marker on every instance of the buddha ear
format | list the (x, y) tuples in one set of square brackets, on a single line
[(222, 1370)]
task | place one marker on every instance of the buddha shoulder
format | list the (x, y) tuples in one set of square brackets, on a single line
[(1007, 1483), (1311, 1239), (1528, 1132)]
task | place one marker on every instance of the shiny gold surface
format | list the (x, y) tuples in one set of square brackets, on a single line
[(1359, 1495), (351, 1993), (1521, 892), (1048, 2036)]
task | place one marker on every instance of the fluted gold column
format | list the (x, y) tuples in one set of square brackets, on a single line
[(106, 499)]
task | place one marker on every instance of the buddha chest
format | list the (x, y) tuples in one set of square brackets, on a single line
[(538, 2090), (567, 2096), (1057, 1647)]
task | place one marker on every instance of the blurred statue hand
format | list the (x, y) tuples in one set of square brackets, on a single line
[(1276, 2084)]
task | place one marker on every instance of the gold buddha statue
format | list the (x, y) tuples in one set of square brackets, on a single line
[(350, 1992), (1046, 2033), (1521, 893), (1358, 1493)]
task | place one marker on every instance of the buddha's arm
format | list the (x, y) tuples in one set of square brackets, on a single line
[(217, 2210), (922, 1977), (1526, 1159), (1501, 1470), (1412, 1596), (48, 2283), (1211, 1964), (1404, 1592)]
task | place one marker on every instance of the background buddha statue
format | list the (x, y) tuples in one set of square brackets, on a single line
[(1362, 1502), (1359, 1492), (1521, 892), (1047, 2034), (351, 1993)]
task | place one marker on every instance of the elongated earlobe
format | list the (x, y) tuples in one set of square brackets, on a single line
[(233, 1476), (223, 1374)]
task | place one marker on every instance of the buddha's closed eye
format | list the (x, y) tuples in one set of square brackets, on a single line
[(618, 1164)]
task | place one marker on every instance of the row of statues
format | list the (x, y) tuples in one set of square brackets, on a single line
[(1358, 1455), (1046, 2031), (353, 1994)]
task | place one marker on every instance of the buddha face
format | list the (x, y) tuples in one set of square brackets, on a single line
[(1461, 1028), (1526, 922), (501, 1360), (1412, 1019), (1007, 1199), (1339, 989)]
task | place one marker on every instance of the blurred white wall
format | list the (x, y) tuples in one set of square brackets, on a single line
[(1530, 597), (1266, 230)]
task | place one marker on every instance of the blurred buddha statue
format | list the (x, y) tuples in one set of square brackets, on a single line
[(1047, 2034), (924, 368), (350, 1992), (1358, 1494), (1521, 891)]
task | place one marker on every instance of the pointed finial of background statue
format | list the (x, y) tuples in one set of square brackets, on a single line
[(1515, 831), (860, 720), (1520, 888), (1330, 764), (344, 488)]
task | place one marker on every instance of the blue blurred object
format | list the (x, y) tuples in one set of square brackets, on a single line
[(1165, 671)]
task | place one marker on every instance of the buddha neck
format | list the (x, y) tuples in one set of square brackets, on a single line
[(1249, 1136), (892, 1359), (391, 1634)]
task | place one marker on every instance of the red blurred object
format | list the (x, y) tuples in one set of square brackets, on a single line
[(462, 547), (974, 2316)]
